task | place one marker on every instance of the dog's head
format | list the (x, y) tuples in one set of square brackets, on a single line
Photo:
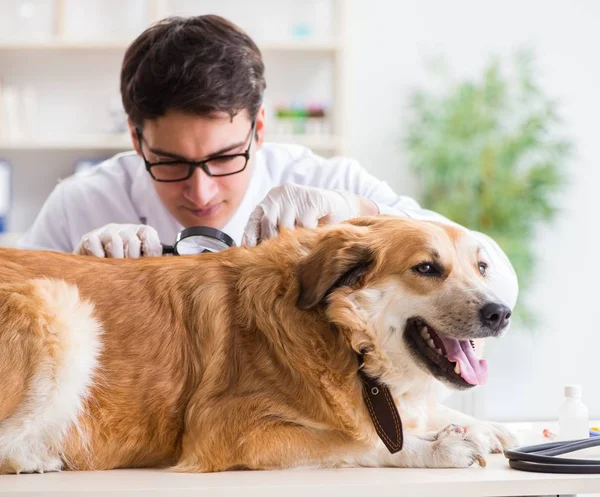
[(412, 296)]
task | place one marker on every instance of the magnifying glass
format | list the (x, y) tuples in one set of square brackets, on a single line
[(199, 240)]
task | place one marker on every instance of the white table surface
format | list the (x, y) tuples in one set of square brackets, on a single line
[(495, 480)]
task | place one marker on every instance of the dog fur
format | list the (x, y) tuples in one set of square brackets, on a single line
[(245, 358)]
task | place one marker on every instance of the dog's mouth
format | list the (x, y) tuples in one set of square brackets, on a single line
[(452, 359)]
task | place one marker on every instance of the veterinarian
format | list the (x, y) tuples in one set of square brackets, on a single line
[(193, 90)]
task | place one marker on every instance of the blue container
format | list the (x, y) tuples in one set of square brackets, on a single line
[(5, 193)]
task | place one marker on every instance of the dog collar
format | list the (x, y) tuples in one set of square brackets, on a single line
[(382, 409)]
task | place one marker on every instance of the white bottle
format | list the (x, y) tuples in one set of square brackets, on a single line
[(573, 422)]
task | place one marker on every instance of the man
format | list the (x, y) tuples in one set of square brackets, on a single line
[(192, 89)]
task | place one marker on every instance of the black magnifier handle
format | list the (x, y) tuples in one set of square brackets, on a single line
[(168, 249)]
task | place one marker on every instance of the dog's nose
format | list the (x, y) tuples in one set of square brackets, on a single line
[(495, 316)]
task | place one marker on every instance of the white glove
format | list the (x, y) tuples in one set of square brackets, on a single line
[(120, 241), (291, 205)]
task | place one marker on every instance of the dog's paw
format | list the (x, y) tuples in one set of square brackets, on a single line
[(36, 465), (493, 437), (453, 447)]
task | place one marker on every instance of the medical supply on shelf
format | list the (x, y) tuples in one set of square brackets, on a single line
[(299, 119)]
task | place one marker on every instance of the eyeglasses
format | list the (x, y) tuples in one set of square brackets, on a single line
[(180, 170)]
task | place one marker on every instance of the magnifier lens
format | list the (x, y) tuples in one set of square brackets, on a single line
[(196, 244), (199, 239)]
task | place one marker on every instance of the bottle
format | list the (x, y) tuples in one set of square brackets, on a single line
[(573, 422)]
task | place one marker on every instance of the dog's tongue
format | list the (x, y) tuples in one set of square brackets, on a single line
[(472, 370)]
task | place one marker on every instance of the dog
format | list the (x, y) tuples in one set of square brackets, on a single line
[(250, 358)]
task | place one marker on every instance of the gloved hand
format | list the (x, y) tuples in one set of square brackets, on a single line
[(120, 241), (291, 205)]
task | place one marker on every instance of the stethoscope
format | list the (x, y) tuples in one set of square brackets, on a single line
[(199, 240), (540, 458)]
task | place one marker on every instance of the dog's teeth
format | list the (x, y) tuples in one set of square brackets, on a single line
[(425, 333), (431, 343), (457, 368), (439, 351)]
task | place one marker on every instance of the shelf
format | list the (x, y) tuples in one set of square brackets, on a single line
[(314, 142), (91, 142), (121, 143), (300, 46), (99, 45), (65, 45)]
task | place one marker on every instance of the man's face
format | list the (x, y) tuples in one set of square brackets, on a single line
[(201, 200)]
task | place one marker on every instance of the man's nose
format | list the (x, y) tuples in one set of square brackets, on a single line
[(201, 187)]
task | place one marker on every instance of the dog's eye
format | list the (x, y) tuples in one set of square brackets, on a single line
[(428, 269), (483, 268)]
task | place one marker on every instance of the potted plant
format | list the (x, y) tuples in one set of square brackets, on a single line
[(488, 154)]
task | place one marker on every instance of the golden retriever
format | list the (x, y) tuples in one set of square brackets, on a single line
[(247, 358)]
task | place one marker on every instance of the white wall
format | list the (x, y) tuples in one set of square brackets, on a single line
[(388, 43)]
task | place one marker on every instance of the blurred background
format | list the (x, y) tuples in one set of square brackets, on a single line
[(486, 112)]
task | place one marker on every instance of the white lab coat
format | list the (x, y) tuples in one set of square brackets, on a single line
[(120, 190)]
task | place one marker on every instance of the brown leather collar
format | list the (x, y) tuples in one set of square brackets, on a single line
[(383, 411)]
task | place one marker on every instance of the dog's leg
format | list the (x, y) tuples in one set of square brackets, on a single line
[(264, 446), (280, 446), (49, 343), (493, 436), (451, 447)]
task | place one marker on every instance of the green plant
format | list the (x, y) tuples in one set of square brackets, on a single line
[(488, 154)]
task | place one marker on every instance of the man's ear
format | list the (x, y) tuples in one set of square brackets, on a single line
[(134, 137), (260, 128), (340, 258)]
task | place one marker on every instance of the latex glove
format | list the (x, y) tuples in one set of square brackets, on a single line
[(291, 205), (121, 241)]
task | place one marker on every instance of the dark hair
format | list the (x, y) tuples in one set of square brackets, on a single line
[(197, 65)]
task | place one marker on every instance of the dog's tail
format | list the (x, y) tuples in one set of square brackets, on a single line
[(49, 348)]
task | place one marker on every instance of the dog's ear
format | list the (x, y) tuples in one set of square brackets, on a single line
[(340, 258)]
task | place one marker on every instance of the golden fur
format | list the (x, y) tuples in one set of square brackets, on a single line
[(244, 358)]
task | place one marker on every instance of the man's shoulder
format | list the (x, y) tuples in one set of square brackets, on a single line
[(281, 155), (281, 159), (298, 164)]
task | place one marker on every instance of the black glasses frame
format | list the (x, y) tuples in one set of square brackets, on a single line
[(192, 165)]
